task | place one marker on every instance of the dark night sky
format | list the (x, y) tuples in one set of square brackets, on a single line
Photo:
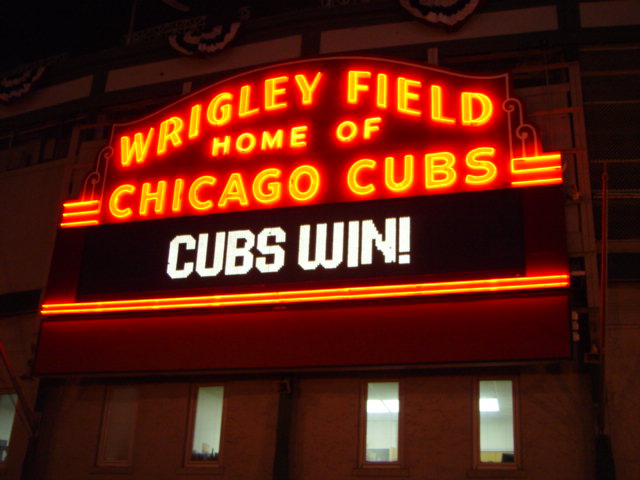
[(35, 29)]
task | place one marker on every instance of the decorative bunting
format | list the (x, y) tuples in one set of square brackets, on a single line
[(213, 37), (204, 42), (17, 85), (448, 12)]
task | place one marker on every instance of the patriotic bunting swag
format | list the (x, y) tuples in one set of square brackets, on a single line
[(16, 85), (214, 36), (448, 12), (204, 42)]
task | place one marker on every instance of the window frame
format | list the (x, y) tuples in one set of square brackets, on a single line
[(191, 424), (517, 447), (10, 392), (101, 461), (362, 434)]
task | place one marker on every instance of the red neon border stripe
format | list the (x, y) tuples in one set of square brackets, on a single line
[(317, 295)]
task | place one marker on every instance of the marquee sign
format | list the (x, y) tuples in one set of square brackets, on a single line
[(323, 179)]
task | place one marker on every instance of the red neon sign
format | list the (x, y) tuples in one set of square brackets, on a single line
[(370, 147), (312, 132)]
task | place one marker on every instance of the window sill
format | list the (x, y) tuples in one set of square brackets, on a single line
[(496, 473), (390, 471), (112, 469), (201, 470)]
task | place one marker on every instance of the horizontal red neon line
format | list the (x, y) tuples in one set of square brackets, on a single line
[(82, 205), (544, 181), (539, 160), (319, 295), (80, 213), (83, 223), (528, 171), (548, 166)]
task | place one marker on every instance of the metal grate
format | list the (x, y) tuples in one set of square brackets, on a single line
[(624, 266), (623, 177), (612, 130), (607, 59), (624, 218)]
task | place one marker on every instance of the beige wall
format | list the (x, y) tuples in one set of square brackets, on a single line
[(556, 429), (72, 423), (437, 440), (30, 198), (622, 373)]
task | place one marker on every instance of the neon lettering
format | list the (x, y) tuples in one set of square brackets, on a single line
[(271, 142), (352, 177), (148, 196), (436, 106), (194, 199), (247, 146), (219, 109), (169, 131), (389, 174), (307, 90), (140, 147), (194, 121), (371, 125), (351, 131), (178, 189), (439, 170), (114, 201), (354, 86), (313, 178), (406, 95), (234, 191), (475, 161), (298, 137), (224, 145), (244, 108), (468, 99), (272, 193), (382, 90), (272, 92)]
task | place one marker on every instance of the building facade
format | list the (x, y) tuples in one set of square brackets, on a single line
[(519, 383)]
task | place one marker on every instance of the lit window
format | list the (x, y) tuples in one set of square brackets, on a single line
[(496, 415), (120, 412), (382, 422), (7, 413), (206, 424)]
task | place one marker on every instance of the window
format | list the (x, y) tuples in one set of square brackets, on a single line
[(118, 424), (206, 424), (382, 425), (7, 413), (496, 424)]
